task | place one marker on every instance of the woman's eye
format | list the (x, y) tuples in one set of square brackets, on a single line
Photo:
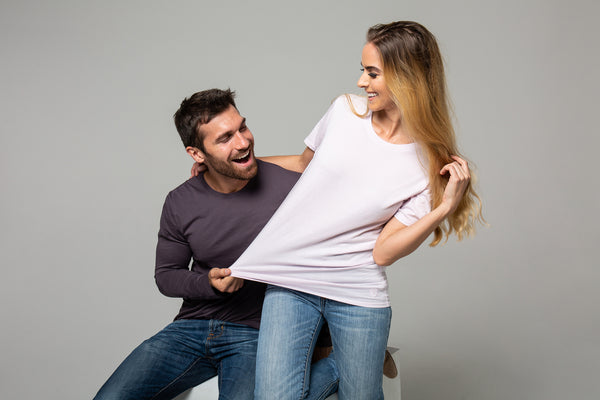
[(371, 74)]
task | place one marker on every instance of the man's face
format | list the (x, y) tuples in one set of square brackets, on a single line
[(228, 149)]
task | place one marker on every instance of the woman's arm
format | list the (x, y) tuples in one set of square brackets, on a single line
[(397, 240), (296, 163)]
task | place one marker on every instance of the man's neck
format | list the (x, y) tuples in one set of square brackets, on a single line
[(223, 184)]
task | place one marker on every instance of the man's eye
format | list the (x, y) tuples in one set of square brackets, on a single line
[(243, 128)]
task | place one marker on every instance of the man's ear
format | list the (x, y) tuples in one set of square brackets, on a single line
[(195, 153)]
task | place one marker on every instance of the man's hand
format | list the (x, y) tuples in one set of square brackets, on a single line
[(197, 169), (221, 280)]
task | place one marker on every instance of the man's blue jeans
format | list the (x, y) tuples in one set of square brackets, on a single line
[(291, 321), (183, 355)]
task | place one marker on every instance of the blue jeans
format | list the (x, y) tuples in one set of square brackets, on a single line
[(183, 355), (290, 325), (189, 352)]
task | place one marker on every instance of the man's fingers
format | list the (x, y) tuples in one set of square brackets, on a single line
[(219, 273), (235, 285), (221, 280), (229, 284)]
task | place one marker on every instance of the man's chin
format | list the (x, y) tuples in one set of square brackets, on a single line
[(250, 171), (233, 170), (247, 172)]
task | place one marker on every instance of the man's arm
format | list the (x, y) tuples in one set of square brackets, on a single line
[(172, 274)]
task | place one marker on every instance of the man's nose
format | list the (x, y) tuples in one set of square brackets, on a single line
[(241, 141)]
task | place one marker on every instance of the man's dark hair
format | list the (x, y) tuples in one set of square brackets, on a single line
[(199, 109)]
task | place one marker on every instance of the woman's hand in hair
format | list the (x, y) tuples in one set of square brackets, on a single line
[(397, 240), (197, 169), (457, 183)]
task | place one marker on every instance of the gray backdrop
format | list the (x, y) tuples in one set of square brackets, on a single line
[(89, 151)]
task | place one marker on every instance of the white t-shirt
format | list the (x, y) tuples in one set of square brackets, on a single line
[(320, 240)]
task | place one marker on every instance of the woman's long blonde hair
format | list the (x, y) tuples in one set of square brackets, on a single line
[(414, 73)]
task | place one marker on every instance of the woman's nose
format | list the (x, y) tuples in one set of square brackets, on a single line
[(361, 81)]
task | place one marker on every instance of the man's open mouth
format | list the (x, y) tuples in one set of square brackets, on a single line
[(244, 158)]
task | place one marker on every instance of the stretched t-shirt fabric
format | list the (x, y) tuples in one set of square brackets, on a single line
[(213, 229), (320, 241)]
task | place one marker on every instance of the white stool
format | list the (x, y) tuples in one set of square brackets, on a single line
[(209, 390)]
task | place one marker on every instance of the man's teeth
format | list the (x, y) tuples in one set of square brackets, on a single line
[(243, 156)]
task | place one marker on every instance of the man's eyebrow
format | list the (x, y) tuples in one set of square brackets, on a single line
[(229, 133)]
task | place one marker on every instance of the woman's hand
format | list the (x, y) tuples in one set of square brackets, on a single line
[(457, 184), (197, 169), (397, 240)]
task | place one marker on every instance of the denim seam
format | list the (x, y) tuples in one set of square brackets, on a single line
[(325, 393), (211, 336), (177, 378), (308, 359)]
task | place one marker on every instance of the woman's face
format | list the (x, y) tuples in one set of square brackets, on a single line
[(373, 81)]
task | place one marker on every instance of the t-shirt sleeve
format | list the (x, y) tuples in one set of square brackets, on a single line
[(173, 253), (414, 208), (314, 139)]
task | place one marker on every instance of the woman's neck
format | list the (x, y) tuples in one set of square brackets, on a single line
[(389, 126)]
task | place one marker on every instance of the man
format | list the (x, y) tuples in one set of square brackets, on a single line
[(210, 219)]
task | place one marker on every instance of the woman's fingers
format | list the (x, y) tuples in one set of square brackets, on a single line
[(458, 181), (464, 165), (458, 169), (197, 168), (455, 170)]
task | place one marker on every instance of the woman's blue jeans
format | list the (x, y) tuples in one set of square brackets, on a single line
[(290, 324)]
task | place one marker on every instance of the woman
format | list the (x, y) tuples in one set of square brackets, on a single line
[(376, 183)]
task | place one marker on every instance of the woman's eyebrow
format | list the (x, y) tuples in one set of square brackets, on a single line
[(370, 68)]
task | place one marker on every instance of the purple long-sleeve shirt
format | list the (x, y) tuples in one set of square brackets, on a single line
[(213, 229)]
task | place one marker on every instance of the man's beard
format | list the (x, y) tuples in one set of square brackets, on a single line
[(227, 168)]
